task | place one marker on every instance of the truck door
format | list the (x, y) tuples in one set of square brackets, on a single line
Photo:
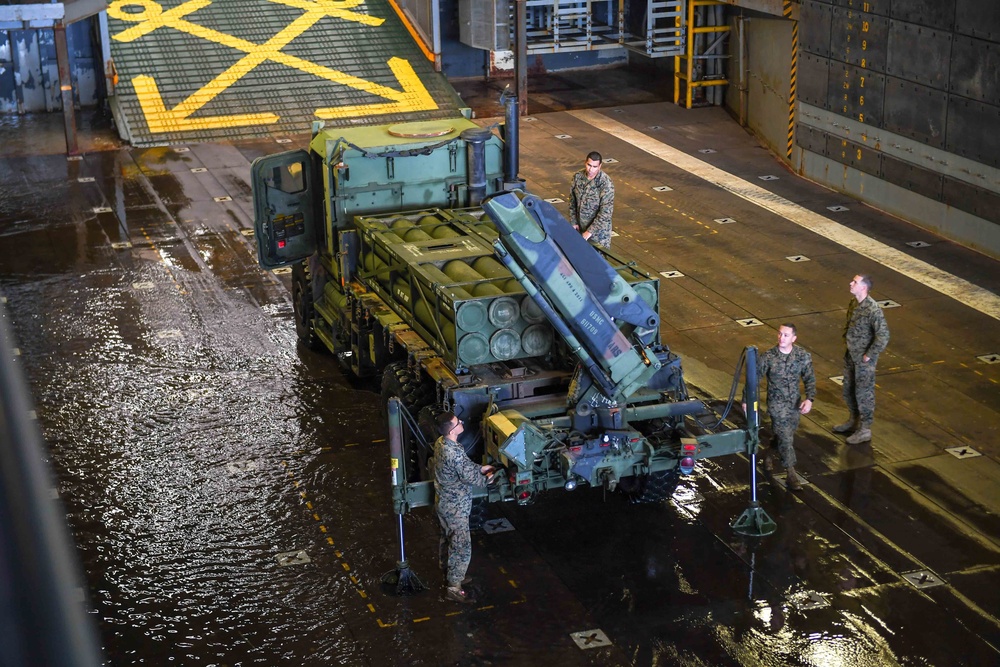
[(284, 221)]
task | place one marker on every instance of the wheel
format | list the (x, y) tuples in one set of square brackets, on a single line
[(427, 423), (401, 381), (651, 488), (303, 305), (479, 514)]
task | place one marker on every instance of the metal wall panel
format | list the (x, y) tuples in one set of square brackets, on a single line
[(8, 89), (879, 7), (975, 69), (424, 13), (813, 79), (969, 198), (811, 139), (85, 63), (814, 27), (856, 93), (29, 73), (915, 111), (859, 38), (978, 18), (939, 14), (928, 71), (919, 54), (861, 157), (911, 177), (769, 77), (974, 130), (484, 24)]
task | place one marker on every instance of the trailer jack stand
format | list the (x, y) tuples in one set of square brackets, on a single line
[(754, 521), (403, 579)]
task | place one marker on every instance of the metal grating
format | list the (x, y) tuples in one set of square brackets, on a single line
[(208, 70)]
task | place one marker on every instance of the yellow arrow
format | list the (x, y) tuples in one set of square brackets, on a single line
[(412, 97), (160, 119)]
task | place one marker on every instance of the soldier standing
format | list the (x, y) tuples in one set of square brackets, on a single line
[(784, 365), (866, 335), (592, 201), (454, 476)]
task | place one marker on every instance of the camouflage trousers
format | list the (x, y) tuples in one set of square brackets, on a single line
[(783, 429), (859, 389), (455, 545)]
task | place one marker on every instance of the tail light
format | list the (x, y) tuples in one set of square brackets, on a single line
[(688, 452)]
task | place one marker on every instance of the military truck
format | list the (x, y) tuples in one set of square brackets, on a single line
[(419, 259)]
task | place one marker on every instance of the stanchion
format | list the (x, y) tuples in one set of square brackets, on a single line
[(402, 579), (754, 521)]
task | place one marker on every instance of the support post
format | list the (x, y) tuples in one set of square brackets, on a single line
[(401, 580), (754, 521), (521, 54), (66, 88)]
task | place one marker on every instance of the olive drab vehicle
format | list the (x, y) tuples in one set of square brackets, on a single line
[(418, 258)]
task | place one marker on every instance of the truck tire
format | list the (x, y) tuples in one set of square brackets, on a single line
[(302, 304), (479, 514), (400, 381), (654, 487)]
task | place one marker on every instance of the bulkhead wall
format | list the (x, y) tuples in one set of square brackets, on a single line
[(894, 102), (29, 74)]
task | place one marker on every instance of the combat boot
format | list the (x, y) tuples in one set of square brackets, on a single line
[(458, 594), (848, 426), (768, 461), (792, 479), (863, 434)]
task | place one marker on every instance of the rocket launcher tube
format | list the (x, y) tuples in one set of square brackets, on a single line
[(557, 322), (606, 286), (538, 255)]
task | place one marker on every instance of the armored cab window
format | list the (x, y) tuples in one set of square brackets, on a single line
[(290, 178)]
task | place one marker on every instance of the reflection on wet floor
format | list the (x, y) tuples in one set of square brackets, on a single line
[(229, 491)]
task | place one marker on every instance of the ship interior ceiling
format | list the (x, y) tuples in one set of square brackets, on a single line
[(228, 491)]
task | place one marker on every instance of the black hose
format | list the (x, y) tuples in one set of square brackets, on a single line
[(732, 390)]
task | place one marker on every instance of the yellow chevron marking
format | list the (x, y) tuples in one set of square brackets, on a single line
[(149, 16), (413, 96)]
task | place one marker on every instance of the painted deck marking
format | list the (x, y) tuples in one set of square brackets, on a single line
[(413, 95), (961, 290)]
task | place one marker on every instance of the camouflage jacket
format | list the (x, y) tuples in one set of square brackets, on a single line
[(454, 473), (591, 204), (865, 332), (783, 372)]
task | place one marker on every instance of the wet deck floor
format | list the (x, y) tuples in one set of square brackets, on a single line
[(229, 492)]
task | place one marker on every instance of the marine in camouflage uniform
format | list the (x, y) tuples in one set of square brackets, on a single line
[(784, 366), (866, 335), (592, 201), (454, 476)]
